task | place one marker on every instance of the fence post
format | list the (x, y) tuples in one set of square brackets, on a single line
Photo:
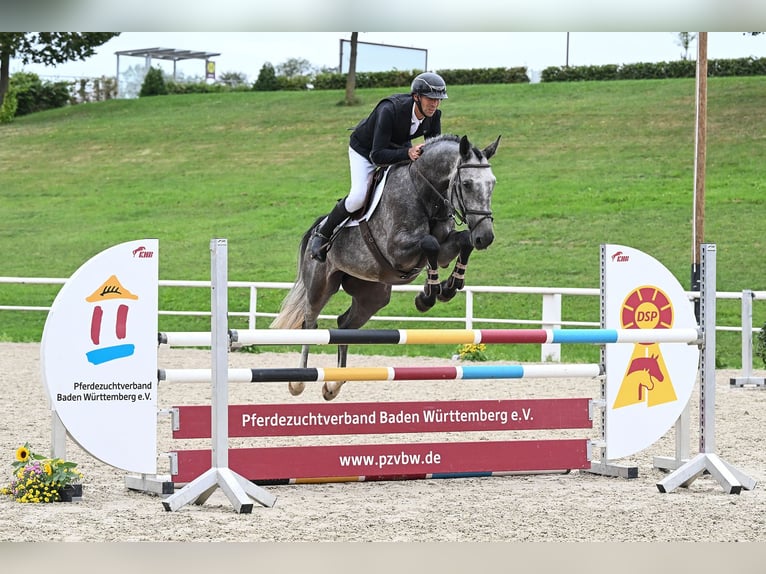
[(551, 320), (747, 377), (253, 307), (468, 308)]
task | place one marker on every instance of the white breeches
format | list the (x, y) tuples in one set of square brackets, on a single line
[(361, 171)]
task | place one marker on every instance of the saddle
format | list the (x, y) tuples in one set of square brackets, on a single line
[(375, 179)]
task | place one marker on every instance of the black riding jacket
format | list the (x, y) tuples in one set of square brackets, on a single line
[(384, 136)]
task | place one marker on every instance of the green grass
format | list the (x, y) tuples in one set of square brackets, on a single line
[(579, 165)]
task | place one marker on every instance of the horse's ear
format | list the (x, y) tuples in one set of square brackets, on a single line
[(490, 150), (465, 146)]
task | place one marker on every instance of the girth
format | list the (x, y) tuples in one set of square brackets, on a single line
[(372, 245)]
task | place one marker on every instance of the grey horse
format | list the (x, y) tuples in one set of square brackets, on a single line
[(412, 228)]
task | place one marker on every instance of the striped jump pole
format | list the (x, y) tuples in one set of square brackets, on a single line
[(244, 375), (436, 336)]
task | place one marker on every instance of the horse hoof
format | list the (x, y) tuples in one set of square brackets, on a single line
[(446, 295), (295, 388), (423, 303), (330, 394)]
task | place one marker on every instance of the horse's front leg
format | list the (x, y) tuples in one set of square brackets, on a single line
[(427, 298), (456, 281)]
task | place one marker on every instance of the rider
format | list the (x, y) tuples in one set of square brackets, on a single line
[(384, 138)]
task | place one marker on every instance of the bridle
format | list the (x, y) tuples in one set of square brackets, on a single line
[(454, 202)]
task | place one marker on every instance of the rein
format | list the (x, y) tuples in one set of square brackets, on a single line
[(455, 195)]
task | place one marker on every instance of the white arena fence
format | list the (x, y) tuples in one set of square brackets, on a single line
[(550, 310)]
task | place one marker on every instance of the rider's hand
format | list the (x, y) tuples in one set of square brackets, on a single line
[(414, 152)]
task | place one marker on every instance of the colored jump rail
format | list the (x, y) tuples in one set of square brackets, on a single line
[(243, 375), (434, 336)]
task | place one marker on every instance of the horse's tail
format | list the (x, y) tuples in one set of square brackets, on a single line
[(291, 313)]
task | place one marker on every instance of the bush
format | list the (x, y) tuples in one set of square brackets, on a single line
[(32, 95), (656, 70), (197, 88), (154, 84), (92, 90), (8, 109), (402, 79), (760, 344)]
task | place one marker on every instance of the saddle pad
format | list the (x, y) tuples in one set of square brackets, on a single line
[(373, 203)]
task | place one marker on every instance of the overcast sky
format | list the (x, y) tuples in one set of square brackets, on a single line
[(246, 52)]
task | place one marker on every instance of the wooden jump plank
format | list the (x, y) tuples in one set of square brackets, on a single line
[(392, 417), (390, 461)]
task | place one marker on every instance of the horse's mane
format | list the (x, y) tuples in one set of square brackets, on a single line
[(448, 138), (443, 137)]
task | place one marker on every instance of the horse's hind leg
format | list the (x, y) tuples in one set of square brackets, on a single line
[(296, 387), (367, 298), (331, 389), (319, 289)]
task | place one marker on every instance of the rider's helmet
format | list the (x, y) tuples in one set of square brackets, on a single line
[(429, 85)]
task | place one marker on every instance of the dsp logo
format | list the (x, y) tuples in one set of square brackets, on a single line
[(646, 378)]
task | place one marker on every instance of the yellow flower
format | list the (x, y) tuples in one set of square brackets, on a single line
[(47, 468), (22, 454)]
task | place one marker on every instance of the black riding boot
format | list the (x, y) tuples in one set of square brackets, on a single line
[(320, 237)]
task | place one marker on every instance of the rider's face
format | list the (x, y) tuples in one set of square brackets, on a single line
[(429, 105)]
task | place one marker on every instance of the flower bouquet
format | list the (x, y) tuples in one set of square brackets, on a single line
[(40, 479), (472, 352)]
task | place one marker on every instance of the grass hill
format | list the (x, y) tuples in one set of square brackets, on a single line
[(579, 164)]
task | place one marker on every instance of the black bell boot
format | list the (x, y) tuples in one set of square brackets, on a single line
[(319, 239)]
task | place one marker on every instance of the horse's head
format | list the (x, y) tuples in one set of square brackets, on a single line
[(471, 191)]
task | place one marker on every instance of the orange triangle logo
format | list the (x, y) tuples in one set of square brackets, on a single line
[(110, 289)]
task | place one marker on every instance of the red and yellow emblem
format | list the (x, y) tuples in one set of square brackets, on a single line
[(646, 377)]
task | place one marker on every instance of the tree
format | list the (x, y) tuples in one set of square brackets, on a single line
[(233, 79), (684, 40), (294, 67), (154, 84), (350, 98), (267, 79), (48, 48)]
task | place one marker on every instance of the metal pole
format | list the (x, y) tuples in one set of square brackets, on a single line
[(237, 489), (220, 369), (707, 362)]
